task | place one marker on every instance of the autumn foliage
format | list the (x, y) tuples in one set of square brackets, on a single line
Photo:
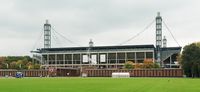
[(147, 63)]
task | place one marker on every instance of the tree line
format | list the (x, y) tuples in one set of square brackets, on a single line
[(18, 62)]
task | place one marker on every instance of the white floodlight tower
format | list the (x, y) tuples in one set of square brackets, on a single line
[(91, 44), (164, 42), (158, 38), (47, 35)]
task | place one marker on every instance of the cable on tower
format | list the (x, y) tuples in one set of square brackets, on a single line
[(57, 40), (171, 33), (65, 37), (37, 41), (133, 37)]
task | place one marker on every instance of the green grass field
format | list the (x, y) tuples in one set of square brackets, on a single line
[(99, 85)]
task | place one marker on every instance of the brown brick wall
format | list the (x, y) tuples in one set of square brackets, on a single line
[(136, 72), (27, 73)]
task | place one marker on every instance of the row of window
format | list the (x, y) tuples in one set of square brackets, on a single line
[(79, 62), (102, 57)]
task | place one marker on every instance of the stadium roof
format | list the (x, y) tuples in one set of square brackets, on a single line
[(96, 48), (171, 48)]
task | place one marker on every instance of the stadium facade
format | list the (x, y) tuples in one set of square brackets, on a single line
[(106, 56)]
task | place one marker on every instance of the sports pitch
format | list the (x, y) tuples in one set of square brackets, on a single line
[(99, 85)]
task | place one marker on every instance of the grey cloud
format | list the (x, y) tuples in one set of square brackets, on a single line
[(105, 21)]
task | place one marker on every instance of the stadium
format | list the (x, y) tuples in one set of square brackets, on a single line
[(106, 57)]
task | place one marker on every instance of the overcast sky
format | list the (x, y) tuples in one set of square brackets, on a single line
[(106, 22)]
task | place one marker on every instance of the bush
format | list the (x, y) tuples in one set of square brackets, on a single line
[(129, 65), (37, 66), (155, 65), (148, 63)]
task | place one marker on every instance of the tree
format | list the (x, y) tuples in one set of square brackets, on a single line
[(29, 65), (18, 62), (155, 65), (190, 60), (2, 59), (139, 66), (148, 63), (129, 65), (13, 65), (179, 59), (37, 66)]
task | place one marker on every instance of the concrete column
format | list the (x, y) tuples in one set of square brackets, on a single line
[(56, 60), (135, 58), (72, 60), (125, 56), (170, 61), (116, 59), (153, 57), (81, 68), (98, 61), (81, 59), (47, 63), (64, 59), (107, 59)]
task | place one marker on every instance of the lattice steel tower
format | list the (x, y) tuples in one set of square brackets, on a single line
[(47, 35), (158, 37), (158, 30)]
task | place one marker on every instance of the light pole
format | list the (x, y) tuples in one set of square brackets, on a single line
[(20, 66), (7, 65)]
